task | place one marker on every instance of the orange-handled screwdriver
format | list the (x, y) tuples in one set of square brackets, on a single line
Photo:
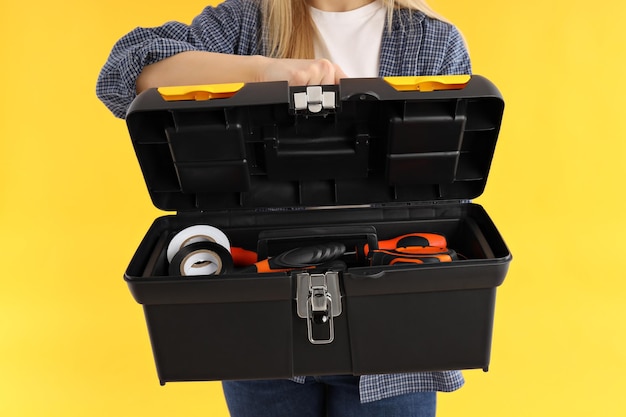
[(299, 258), (243, 257)]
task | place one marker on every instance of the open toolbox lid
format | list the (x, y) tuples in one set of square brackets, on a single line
[(269, 145)]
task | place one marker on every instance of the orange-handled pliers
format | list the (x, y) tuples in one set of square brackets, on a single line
[(411, 239), (413, 254)]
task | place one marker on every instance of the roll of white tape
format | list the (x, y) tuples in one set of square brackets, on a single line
[(193, 234)]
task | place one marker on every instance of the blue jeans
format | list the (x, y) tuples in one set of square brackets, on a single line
[(325, 396)]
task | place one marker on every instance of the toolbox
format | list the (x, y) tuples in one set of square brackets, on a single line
[(275, 169)]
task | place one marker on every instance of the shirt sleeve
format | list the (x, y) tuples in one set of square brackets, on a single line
[(216, 29), (443, 50), (420, 45), (456, 58)]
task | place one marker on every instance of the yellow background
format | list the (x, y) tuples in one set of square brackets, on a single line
[(73, 207)]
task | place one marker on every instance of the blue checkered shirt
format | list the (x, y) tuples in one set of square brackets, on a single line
[(416, 45)]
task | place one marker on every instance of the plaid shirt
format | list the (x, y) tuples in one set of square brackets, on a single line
[(416, 45), (377, 387)]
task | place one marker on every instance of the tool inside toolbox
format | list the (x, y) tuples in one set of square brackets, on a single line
[(321, 248)]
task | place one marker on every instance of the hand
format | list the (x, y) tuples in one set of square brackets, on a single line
[(301, 71)]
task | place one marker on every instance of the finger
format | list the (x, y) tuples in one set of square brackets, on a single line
[(299, 77), (327, 75), (339, 74), (320, 72)]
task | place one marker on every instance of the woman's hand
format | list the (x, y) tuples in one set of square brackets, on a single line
[(300, 71)]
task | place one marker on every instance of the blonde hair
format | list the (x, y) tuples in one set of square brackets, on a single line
[(282, 19)]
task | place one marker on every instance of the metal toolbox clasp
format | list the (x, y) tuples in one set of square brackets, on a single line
[(314, 99), (318, 300)]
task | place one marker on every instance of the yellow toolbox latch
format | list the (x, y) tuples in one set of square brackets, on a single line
[(429, 82), (199, 92)]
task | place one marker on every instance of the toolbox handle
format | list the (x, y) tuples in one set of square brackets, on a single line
[(226, 90)]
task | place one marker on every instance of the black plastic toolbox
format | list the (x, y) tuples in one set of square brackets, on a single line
[(272, 166)]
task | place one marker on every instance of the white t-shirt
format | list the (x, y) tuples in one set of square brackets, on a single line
[(351, 39)]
